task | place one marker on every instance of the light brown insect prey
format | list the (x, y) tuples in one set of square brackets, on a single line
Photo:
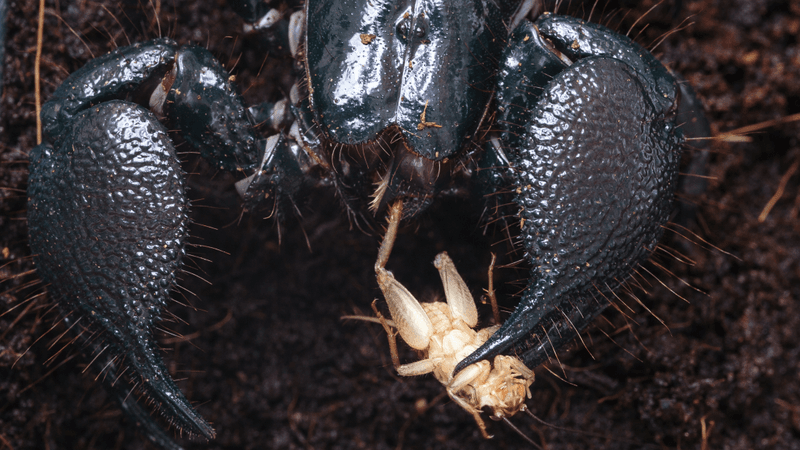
[(444, 334)]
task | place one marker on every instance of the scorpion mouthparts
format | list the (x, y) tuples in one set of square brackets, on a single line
[(412, 178)]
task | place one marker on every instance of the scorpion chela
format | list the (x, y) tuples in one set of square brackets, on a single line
[(397, 104)]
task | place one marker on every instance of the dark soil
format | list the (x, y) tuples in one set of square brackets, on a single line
[(269, 362)]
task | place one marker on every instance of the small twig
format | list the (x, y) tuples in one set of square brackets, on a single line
[(705, 431), (36, 76), (779, 193)]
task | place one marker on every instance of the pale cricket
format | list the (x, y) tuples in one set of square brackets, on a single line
[(444, 333)]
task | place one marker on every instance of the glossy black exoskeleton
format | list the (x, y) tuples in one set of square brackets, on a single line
[(107, 207), (399, 101)]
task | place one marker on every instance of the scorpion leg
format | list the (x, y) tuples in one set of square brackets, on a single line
[(594, 157), (280, 31), (291, 161)]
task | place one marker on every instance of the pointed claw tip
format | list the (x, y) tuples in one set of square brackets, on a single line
[(201, 427), (160, 388), (180, 415), (186, 418)]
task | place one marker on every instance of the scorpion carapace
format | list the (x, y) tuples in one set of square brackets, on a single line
[(396, 102), (412, 72), (398, 82)]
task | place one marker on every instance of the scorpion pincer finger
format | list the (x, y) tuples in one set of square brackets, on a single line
[(109, 76)]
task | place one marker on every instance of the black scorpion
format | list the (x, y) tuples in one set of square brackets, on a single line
[(399, 102)]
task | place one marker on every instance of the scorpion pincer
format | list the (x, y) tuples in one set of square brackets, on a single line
[(396, 103)]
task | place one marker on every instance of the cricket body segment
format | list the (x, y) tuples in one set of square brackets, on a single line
[(445, 334)]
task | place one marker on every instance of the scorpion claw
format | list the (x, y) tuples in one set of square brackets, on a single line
[(595, 161), (107, 217)]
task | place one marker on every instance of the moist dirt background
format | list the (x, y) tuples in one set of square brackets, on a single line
[(265, 355)]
